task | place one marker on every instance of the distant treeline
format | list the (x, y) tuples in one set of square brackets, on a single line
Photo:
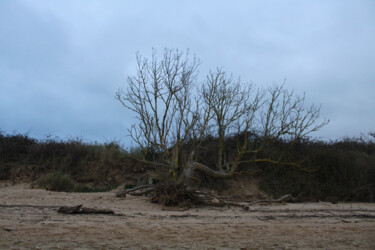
[(342, 170)]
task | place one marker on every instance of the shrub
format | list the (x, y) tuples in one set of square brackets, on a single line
[(60, 182), (56, 182)]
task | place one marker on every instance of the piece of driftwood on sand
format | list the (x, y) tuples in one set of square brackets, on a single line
[(83, 210)]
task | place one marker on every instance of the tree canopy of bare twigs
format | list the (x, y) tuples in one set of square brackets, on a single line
[(173, 108)]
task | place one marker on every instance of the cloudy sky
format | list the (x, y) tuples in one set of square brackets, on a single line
[(61, 62)]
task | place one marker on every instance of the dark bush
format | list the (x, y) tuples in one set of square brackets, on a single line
[(82, 162), (15, 147), (342, 170)]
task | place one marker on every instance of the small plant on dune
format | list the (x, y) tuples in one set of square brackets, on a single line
[(56, 181), (60, 182)]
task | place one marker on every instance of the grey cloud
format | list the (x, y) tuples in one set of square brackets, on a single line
[(62, 61)]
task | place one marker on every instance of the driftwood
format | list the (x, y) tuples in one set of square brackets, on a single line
[(148, 188), (215, 201), (281, 199), (83, 210), (287, 197)]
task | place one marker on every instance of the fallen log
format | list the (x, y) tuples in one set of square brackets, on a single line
[(83, 210)]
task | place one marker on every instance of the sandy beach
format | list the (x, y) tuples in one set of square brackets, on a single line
[(29, 220)]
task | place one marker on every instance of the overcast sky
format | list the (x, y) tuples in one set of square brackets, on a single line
[(61, 62)]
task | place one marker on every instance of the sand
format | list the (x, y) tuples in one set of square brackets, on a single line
[(29, 220)]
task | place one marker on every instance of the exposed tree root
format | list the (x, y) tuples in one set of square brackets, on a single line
[(179, 195)]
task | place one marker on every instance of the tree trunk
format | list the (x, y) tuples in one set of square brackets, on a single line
[(190, 181), (187, 176)]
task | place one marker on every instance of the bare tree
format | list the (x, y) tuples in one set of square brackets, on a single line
[(173, 110), (372, 134)]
